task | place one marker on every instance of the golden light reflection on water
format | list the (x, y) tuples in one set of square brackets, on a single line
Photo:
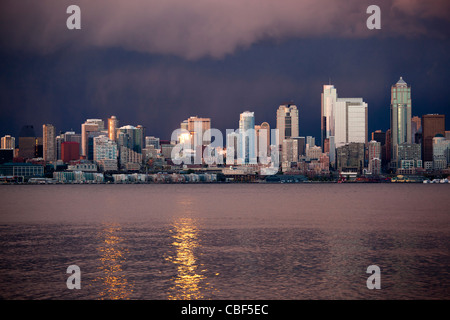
[(114, 284), (190, 283)]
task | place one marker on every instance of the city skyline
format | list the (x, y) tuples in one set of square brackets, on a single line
[(341, 108)]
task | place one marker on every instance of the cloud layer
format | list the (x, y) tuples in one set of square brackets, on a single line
[(208, 28)]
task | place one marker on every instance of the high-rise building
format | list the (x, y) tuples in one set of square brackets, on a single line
[(416, 128), (400, 115), (130, 143), (375, 150), (432, 124), (441, 152), (89, 129), (328, 100), (343, 120), (49, 142), (198, 128), (263, 139), (113, 124), (247, 138), (70, 151), (351, 121), (8, 142), (287, 122), (28, 143), (105, 153)]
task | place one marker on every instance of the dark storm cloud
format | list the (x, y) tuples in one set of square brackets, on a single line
[(214, 28), (149, 62)]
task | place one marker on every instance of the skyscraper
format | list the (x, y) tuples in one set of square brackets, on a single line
[(247, 138), (287, 122), (400, 115), (49, 142), (328, 100), (130, 143), (88, 130), (351, 117), (198, 128), (113, 124), (70, 151), (8, 142), (105, 153), (416, 128), (432, 124), (343, 121), (263, 139), (28, 142)]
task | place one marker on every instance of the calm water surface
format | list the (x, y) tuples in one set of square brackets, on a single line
[(236, 241)]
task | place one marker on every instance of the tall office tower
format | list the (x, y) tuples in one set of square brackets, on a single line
[(400, 115), (132, 137), (152, 141), (343, 121), (27, 142), (247, 138), (198, 127), (89, 129), (287, 122), (8, 142), (49, 142), (351, 116), (328, 100), (416, 126), (70, 151), (263, 139), (113, 124), (130, 143), (105, 153), (432, 124)]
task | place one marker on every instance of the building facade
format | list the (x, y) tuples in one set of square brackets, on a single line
[(287, 122), (432, 125), (8, 142), (400, 115), (49, 142)]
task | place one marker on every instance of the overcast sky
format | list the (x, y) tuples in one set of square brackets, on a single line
[(155, 63)]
